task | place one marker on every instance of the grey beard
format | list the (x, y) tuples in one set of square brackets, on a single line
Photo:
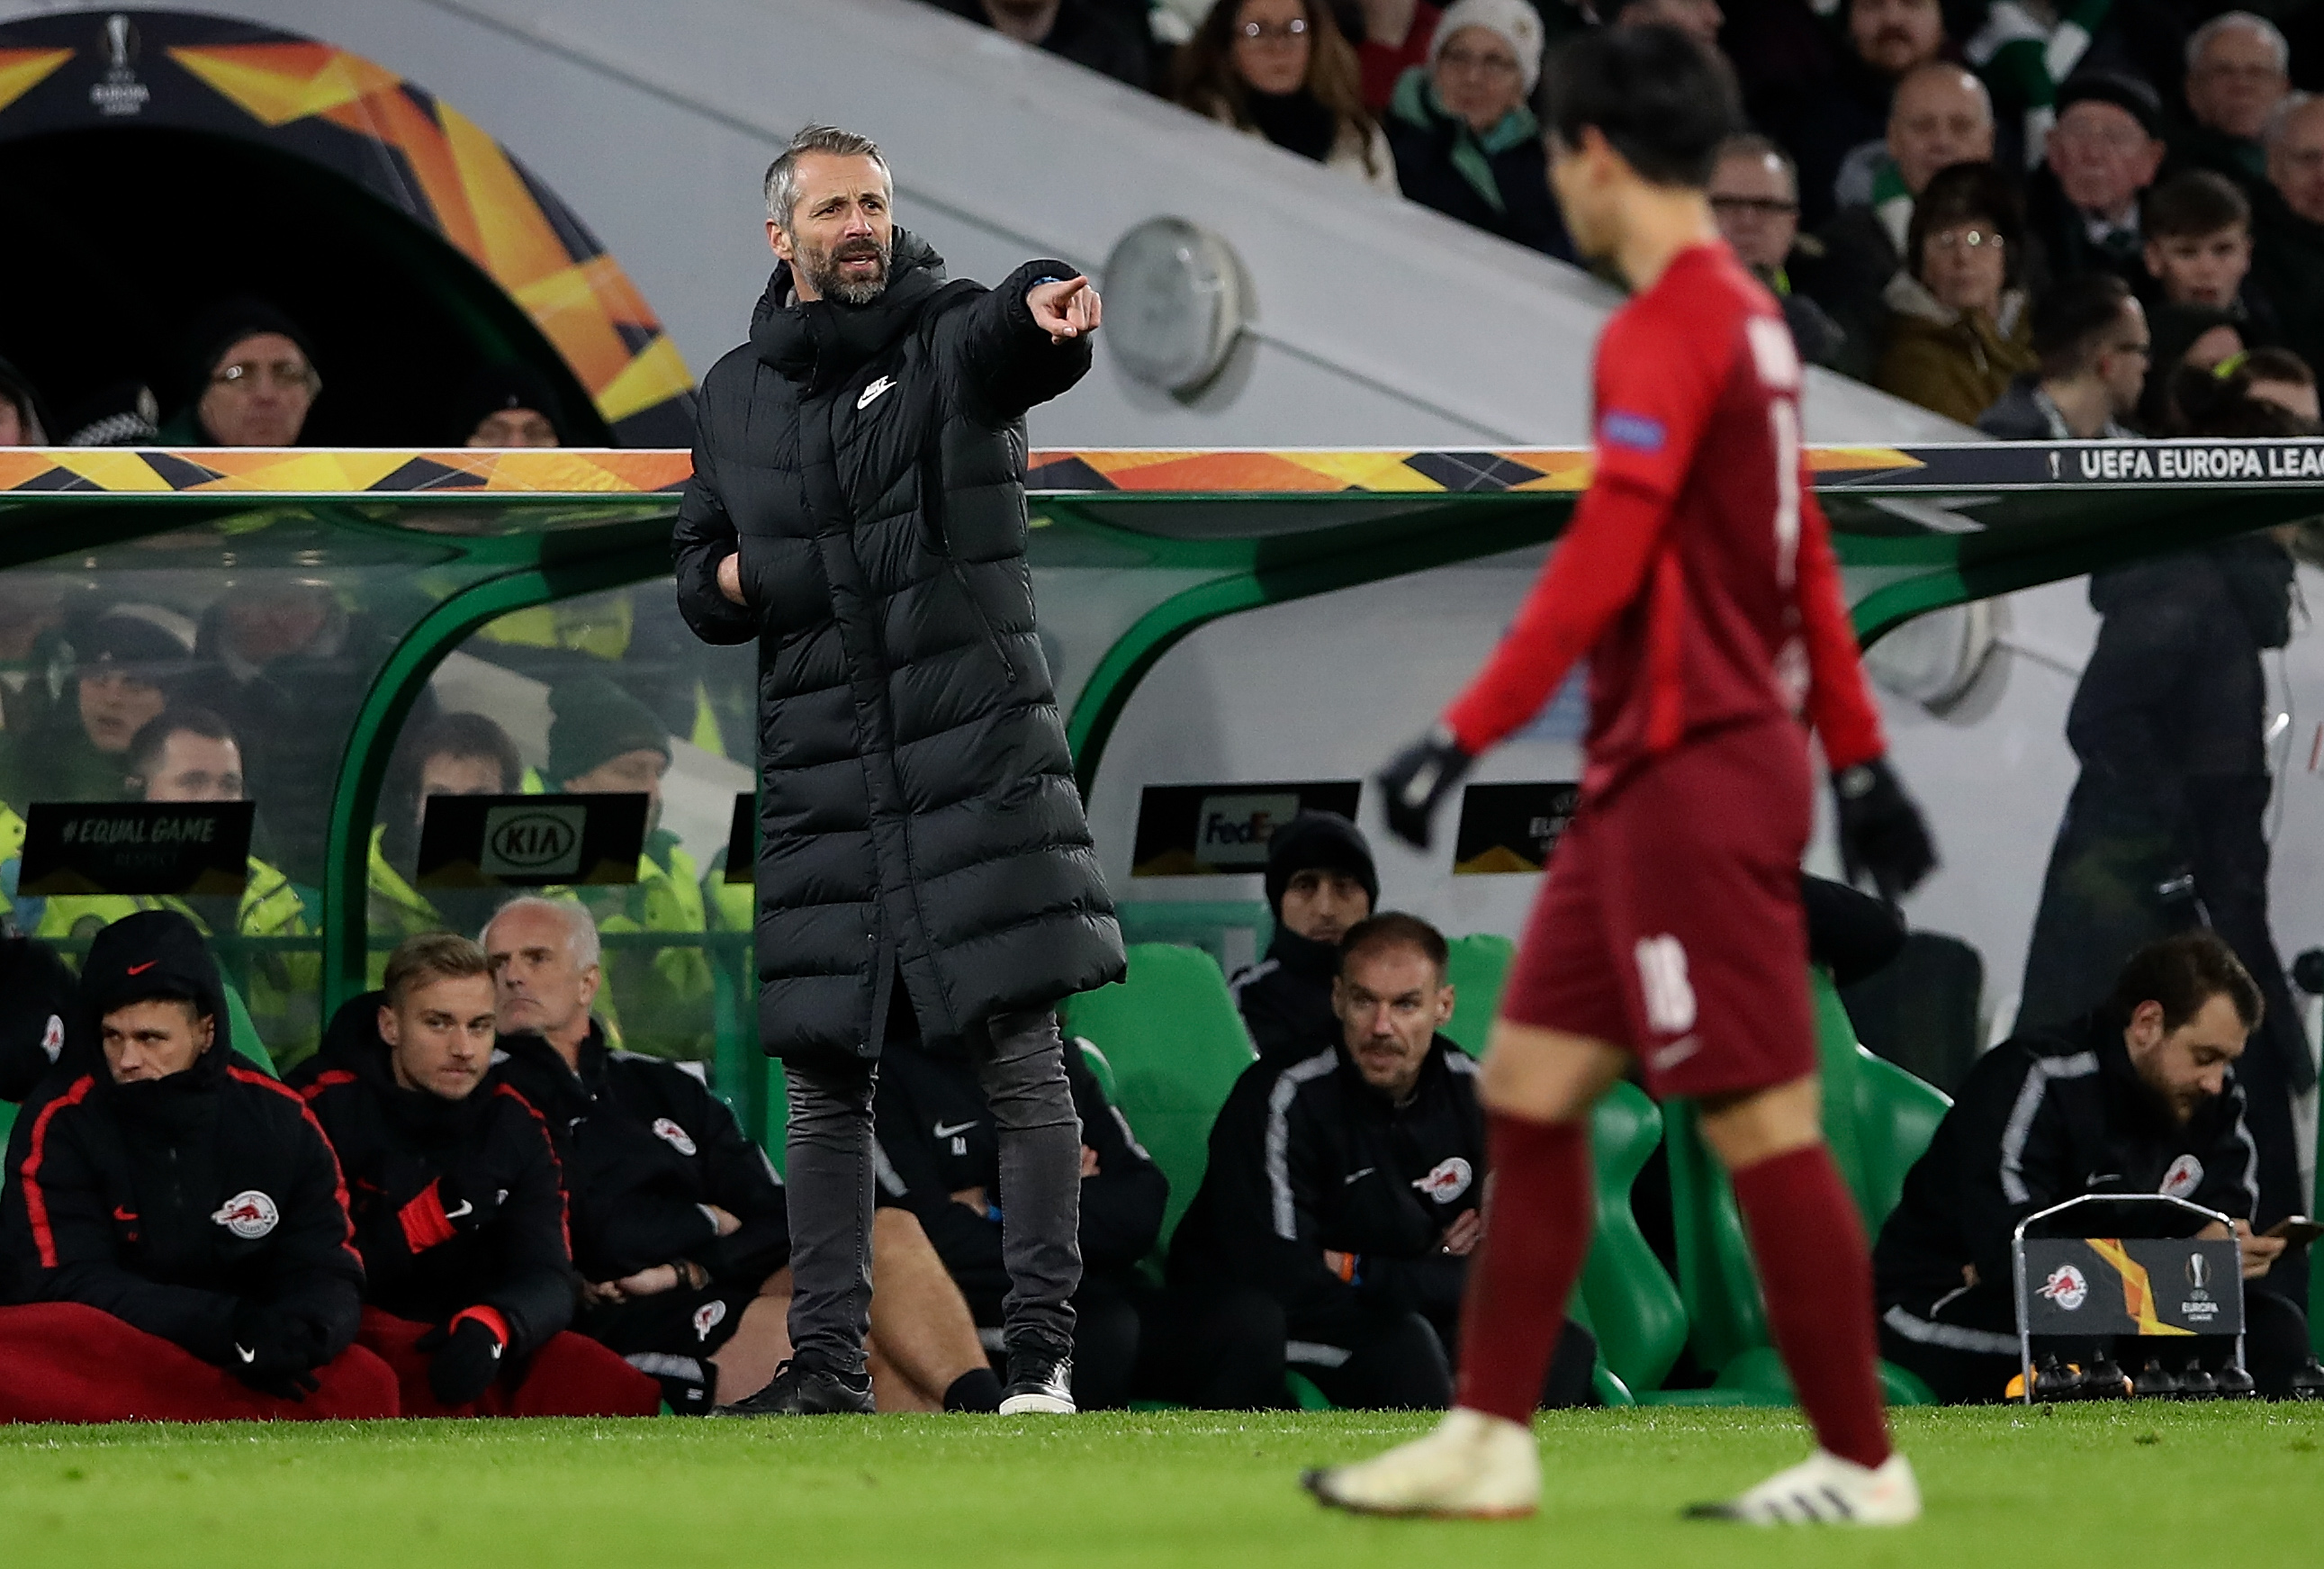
[(828, 282)]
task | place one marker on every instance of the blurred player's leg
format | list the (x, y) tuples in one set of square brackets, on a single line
[(1538, 1086), (1816, 1272)]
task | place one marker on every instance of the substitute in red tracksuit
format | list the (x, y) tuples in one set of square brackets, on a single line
[(457, 1201), (173, 1226)]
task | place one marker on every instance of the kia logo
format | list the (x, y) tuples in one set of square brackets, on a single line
[(533, 839)]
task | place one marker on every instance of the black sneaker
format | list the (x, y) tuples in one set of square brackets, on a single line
[(1040, 1385), (798, 1391)]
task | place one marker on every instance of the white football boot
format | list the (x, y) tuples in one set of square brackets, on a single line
[(1472, 1467), (1825, 1490)]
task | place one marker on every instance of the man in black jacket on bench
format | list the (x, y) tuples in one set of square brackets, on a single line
[(174, 1227), (457, 1201)]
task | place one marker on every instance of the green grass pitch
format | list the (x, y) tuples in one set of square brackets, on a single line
[(2176, 1485)]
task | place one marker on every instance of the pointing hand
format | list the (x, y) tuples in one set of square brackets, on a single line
[(1063, 308)]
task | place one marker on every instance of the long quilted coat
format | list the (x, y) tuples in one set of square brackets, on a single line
[(919, 822)]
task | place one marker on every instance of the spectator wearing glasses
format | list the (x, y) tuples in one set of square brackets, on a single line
[(1940, 116), (249, 379), (2090, 333), (2288, 225), (1754, 196), (2101, 156), (509, 405), (1281, 70), (1085, 32), (1962, 330), (2238, 69), (1465, 142)]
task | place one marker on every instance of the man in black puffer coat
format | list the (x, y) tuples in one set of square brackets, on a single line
[(174, 1224), (858, 510)]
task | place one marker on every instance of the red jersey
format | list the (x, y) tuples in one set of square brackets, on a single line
[(1697, 575)]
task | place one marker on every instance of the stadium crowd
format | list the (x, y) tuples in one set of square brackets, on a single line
[(1922, 176)]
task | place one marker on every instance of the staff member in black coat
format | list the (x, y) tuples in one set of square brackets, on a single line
[(1320, 882), (457, 1201), (1348, 1186), (2166, 827), (2140, 1096), (678, 1224), (857, 508), (177, 1214)]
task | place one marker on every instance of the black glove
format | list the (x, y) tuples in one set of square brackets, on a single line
[(1417, 779), (1881, 831), (274, 1352), (467, 1360)]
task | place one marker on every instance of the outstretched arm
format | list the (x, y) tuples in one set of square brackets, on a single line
[(1025, 342)]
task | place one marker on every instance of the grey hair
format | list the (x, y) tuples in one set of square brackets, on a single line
[(2279, 119), (580, 927), (782, 174), (2201, 38)]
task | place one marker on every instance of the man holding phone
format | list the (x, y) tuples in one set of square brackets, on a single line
[(2139, 1096)]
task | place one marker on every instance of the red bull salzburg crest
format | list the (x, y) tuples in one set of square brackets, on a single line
[(249, 1214), (1447, 1181), (2066, 1288)]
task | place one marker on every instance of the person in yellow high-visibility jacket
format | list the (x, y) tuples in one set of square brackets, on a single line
[(190, 754), (453, 754), (604, 740)]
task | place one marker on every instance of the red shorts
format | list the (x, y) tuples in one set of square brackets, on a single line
[(1670, 922)]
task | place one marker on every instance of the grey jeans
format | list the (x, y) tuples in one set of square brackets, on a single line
[(833, 1166)]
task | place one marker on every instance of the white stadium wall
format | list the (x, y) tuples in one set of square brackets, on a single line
[(1374, 322)]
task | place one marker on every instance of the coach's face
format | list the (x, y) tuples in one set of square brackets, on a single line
[(840, 231), (2187, 1067), (1392, 1000)]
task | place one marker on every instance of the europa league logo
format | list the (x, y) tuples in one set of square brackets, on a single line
[(2199, 1271), (120, 41), (119, 92)]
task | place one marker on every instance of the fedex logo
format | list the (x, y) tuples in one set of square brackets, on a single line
[(1233, 830)]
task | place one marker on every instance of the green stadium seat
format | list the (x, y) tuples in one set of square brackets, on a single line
[(1101, 1069), (1176, 1046), (246, 1043), (1478, 968), (1877, 1120), (1625, 1297)]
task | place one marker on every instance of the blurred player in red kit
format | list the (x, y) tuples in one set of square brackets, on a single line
[(1698, 580)]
